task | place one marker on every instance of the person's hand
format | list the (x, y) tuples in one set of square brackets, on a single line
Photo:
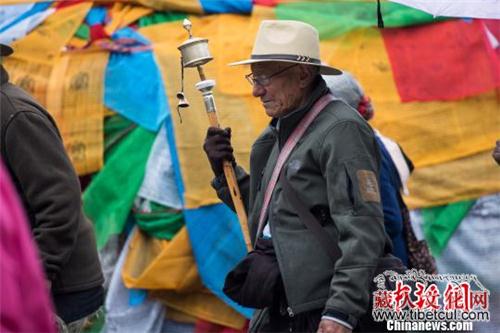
[(218, 148), (330, 326), (496, 152)]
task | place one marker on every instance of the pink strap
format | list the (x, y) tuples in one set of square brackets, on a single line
[(287, 149)]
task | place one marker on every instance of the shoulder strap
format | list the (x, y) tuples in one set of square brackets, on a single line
[(285, 152), (309, 220)]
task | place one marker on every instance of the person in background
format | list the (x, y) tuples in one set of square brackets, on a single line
[(33, 152), (335, 165)]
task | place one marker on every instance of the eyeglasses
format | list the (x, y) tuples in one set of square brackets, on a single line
[(265, 80)]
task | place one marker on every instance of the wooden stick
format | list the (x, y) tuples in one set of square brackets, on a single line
[(231, 180)]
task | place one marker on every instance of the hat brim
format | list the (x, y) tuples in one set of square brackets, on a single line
[(5, 50), (323, 69)]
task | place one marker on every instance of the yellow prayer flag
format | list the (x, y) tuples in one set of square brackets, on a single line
[(153, 263), (122, 15), (77, 43), (75, 99), (45, 43), (179, 316), (187, 6), (231, 39), (432, 133), (15, 2), (462, 179), (169, 271), (202, 304), (72, 91), (31, 76)]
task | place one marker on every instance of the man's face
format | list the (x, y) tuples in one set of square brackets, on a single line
[(281, 93)]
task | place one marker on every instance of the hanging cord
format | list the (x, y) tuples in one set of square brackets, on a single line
[(181, 94), (380, 20)]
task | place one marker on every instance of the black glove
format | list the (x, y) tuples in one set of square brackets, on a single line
[(218, 148), (496, 152)]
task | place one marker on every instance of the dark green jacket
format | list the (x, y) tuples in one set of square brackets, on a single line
[(335, 167)]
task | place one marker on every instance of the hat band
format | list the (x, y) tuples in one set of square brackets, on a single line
[(291, 57)]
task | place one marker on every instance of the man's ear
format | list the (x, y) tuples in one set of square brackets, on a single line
[(306, 76)]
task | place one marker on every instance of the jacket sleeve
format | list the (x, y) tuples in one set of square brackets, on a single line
[(349, 160), (222, 189), (38, 160)]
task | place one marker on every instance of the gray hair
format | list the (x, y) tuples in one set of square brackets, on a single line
[(345, 87)]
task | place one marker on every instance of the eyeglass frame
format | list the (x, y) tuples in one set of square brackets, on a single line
[(253, 81)]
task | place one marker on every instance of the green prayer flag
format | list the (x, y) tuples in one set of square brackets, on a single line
[(336, 18), (160, 17), (440, 223), (108, 199), (83, 32), (116, 128), (162, 222)]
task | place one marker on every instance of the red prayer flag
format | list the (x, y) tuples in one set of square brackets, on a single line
[(65, 3), (269, 3), (441, 61), (97, 32)]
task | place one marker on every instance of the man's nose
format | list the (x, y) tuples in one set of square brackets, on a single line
[(258, 90)]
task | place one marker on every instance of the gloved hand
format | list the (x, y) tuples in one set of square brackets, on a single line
[(218, 148), (496, 152)]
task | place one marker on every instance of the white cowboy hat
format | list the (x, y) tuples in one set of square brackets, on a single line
[(287, 41)]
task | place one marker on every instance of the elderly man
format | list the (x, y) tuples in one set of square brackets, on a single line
[(334, 170)]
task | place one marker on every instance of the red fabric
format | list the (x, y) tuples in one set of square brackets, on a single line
[(97, 32), (365, 108), (203, 326), (493, 27), (270, 3), (24, 297), (65, 3), (441, 61)]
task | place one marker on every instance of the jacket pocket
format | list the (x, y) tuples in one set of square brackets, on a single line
[(363, 191)]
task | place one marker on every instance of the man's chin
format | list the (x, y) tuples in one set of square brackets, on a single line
[(270, 112)]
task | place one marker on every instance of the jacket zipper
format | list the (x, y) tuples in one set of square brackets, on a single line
[(289, 310)]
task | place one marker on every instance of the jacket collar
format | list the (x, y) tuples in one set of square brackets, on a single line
[(286, 124), (4, 76)]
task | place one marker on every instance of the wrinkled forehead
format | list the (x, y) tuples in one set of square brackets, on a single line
[(268, 67)]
